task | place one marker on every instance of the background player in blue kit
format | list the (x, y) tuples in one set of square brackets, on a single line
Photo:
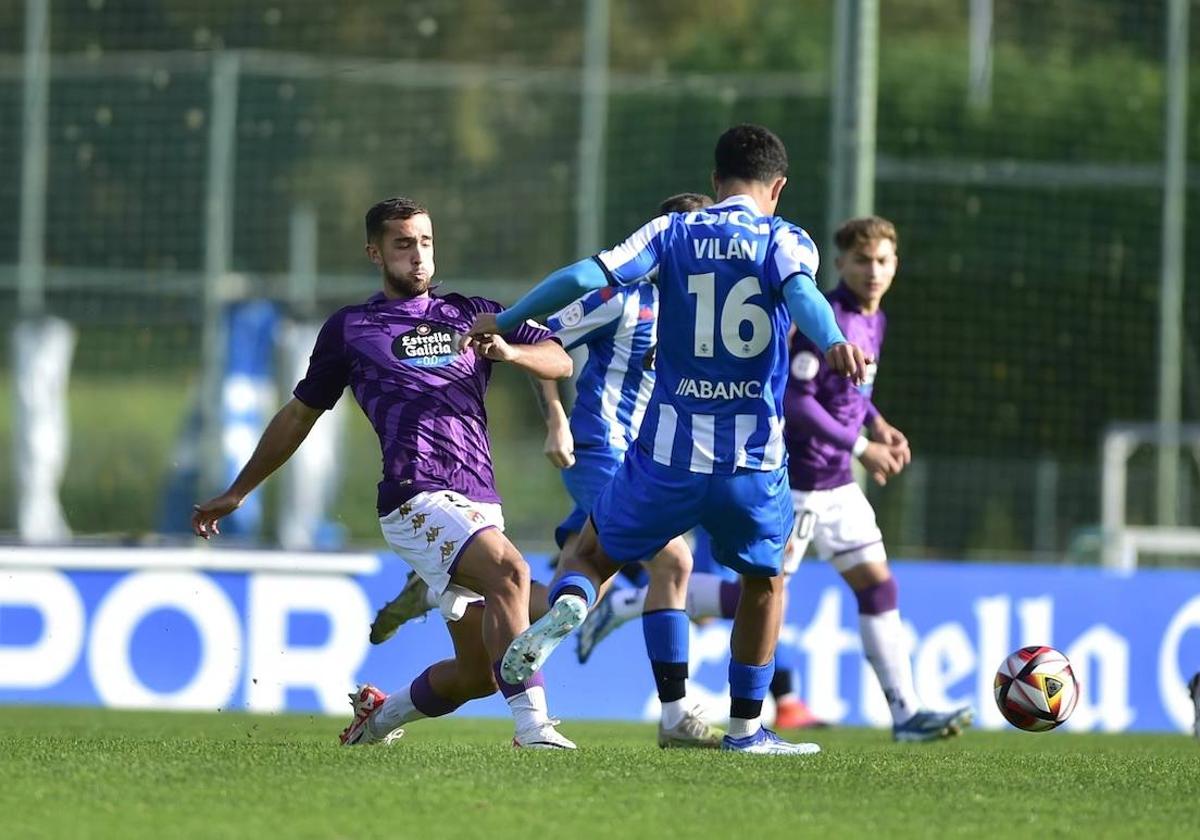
[(710, 449), (617, 328)]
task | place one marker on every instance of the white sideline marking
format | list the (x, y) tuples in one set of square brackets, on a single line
[(122, 558)]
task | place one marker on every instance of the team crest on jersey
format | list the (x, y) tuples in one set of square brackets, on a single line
[(425, 345), (805, 366), (572, 315)]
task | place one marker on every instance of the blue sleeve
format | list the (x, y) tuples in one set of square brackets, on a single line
[(556, 291), (639, 255), (794, 253), (594, 316), (811, 312)]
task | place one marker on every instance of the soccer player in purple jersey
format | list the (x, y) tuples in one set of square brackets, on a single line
[(824, 413), (438, 506)]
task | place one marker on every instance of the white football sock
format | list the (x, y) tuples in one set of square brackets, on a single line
[(673, 711), (704, 595), (883, 645), (396, 711), (628, 603), (529, 708), (743, 727)]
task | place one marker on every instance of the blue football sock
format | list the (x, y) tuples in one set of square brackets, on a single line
[(666, 633), (748, 686), (573, 583)]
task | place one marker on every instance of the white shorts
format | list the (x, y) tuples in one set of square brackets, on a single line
[(430, 531), (841, 525)]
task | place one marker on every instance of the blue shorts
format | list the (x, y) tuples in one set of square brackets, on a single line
[(748, 514), (594, 467), (703, 561)]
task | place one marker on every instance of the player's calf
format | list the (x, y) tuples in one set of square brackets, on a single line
[(492, 566)]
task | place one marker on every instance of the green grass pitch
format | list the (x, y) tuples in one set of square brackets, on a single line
[(97, 773)]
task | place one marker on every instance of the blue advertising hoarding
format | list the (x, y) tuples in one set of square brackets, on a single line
[(268, 631)]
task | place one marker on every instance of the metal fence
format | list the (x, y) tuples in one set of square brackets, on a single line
[(159, 161)]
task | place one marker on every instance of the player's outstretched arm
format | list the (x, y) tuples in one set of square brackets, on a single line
[(286, 431), (545, 359), (556, 291), (560, 444)]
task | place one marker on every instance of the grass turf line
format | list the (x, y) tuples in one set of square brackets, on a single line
[(88, 772)]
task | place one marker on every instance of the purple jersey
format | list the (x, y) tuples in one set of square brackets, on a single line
[(424, 399), (824, 411)]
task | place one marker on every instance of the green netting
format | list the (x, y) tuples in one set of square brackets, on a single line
[(1024, 320)]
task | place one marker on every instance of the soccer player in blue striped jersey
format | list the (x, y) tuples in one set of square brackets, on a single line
[(710, 449), (616, 326)]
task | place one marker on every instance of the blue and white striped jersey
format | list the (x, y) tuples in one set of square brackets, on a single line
[(613, 388), (722, 356)]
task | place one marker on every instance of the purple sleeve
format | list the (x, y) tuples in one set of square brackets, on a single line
[(529, 332), (803, 413), (328, 371), (872, 413)]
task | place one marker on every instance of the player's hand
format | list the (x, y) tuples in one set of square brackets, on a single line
[(560, 446), (206, 515), (484, 324), (848, 360), (882, 461), (885, 432), (494, 347)]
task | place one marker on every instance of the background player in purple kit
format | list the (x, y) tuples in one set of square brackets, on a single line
[(824, 413), (437, 501)]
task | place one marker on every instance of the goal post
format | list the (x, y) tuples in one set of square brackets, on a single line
[(1123, 543)]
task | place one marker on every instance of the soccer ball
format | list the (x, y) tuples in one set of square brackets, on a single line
[(1036, 688)]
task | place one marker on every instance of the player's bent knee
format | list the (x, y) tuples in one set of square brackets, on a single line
[(512, 572), (762, 586), (675, 560), (862, 561), (493, 567)]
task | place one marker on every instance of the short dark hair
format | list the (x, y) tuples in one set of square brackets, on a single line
[(684, 203), (388, 209), (749, 152), (854, 233)]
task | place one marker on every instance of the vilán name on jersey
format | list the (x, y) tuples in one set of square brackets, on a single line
[(705, 389), (712, 248)]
